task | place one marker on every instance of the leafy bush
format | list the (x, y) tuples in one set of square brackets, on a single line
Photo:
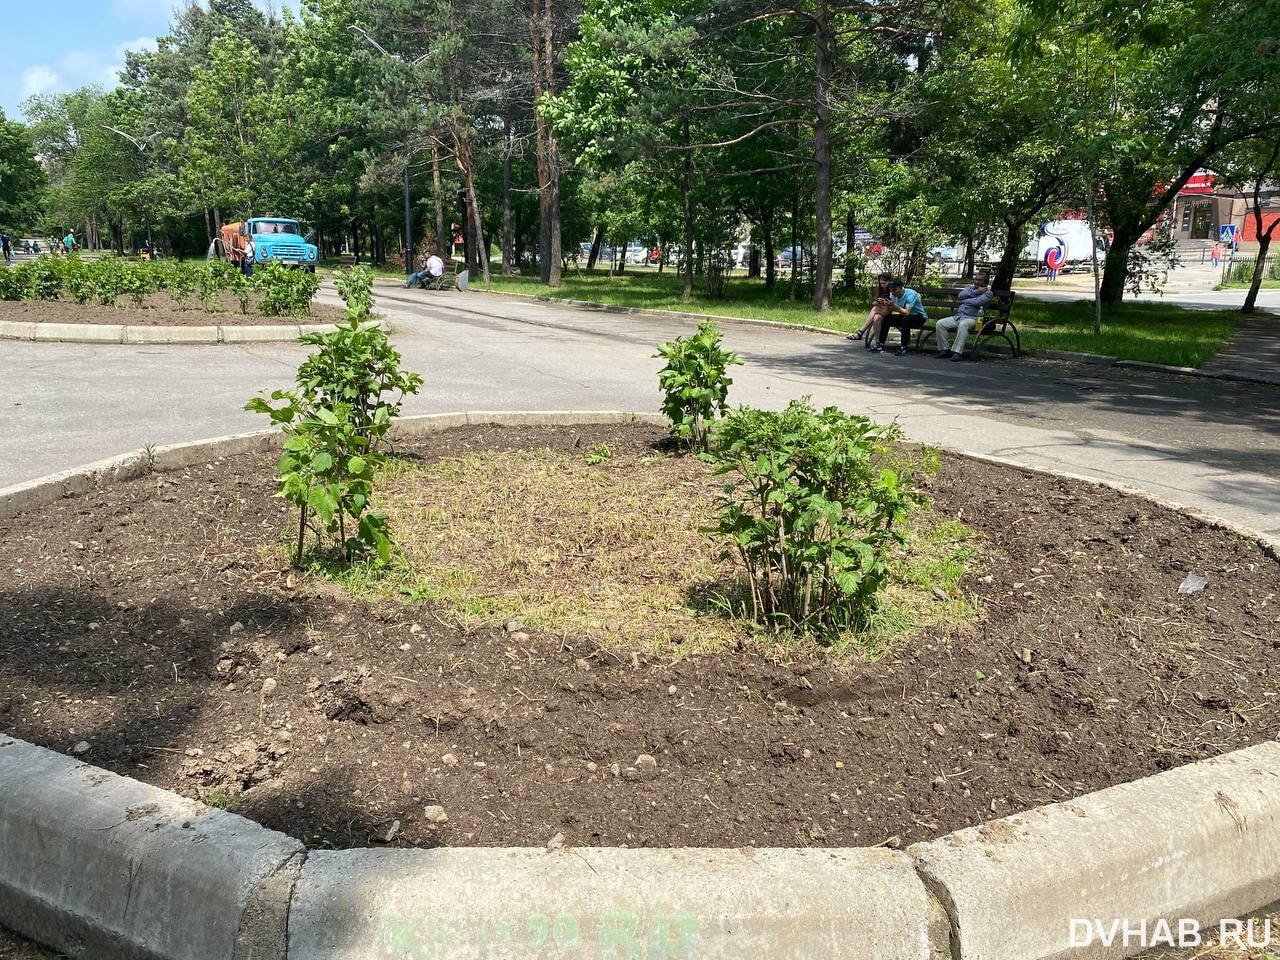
[(39, 279), (695, 382), (78, 280), (355, 287), (10, 285), (180, 278), (818, 501), (286, 292), (333, 421), (213, 278), (140, 279), (106, 276), (241, 287)]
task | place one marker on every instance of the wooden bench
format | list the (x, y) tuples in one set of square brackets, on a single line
[(443, 282), (940, 302)]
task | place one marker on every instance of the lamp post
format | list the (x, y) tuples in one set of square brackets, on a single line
[(142, 152), (408, 207)]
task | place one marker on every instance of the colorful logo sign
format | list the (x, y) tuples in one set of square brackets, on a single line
[(1055, 257)]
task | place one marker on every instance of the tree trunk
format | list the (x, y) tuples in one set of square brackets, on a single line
[(1116, 271), (1003, 280), (506, 201), (822, 159), (795, 233), (686, 192), (596, 243), (519, 236), (441, 241), (462, 146), (1264, 244), (753, 261), (553, 150), (770, 264), (970, 256), (850, 235)]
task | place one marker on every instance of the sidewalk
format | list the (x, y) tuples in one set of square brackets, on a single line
[(1253, 351)]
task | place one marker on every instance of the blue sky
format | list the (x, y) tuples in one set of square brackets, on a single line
[(51, 46)]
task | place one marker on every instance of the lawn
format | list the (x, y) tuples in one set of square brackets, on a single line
[(1156, 333)]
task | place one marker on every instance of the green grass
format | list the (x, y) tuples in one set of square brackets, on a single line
[(391, 268), (1153, 332)]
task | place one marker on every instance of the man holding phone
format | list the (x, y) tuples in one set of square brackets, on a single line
[(905, 312), (969, 305)]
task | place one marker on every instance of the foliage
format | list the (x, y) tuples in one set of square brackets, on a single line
[(817, 502), (1150, 263), (285, 291), (355, 287), (22, 179), (38, 279), (333, 421), (695, 382)]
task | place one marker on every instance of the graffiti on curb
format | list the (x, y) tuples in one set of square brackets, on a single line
[(613, 934)]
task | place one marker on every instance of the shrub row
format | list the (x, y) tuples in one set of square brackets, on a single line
[(279, 290)]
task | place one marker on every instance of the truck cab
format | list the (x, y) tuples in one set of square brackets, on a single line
[(275, 238)]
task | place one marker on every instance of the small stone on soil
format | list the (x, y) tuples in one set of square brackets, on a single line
[(671, 690), (449, 760), (237, 627), (556, 842), (939, 729), (268, 685), (81, 747), (513, 626), (646, 766), (436, 817)]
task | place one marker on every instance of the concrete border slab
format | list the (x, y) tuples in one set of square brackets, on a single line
[(1200, 842), (78, 332), (473, 903), (171, 334), (101, 866)]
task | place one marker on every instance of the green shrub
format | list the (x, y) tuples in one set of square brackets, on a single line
[(241, 287), (140, 278), (180, 278), (355, 287), (10, 285), (39, 279), (333, 421), (817, 502), (695, 382), (106, 276), (214, 277), (286, 292), (78, 280)]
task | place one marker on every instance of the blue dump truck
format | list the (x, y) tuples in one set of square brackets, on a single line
[(274, 238)]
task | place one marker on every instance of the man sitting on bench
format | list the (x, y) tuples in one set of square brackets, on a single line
[(431, 274), (969, 304), (905, 311)]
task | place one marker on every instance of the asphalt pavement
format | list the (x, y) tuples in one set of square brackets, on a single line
[(1210, 445)]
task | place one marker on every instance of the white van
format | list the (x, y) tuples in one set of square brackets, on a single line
[(1071, 237)]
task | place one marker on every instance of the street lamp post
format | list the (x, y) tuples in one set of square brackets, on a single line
[(142, 152), (408, 208)]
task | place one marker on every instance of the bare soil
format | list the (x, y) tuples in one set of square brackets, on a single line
[(158, 309), (156, 626)]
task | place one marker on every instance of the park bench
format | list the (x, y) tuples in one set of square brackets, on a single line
[(940, 302), (443, 282)]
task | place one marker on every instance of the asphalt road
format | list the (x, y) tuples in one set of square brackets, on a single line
[(1211, 445)]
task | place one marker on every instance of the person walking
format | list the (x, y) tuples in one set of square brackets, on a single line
[(969, 305), (1216, 253), (69, 243), (7, 246)]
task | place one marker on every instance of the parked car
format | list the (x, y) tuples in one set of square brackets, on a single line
[(783, 260)]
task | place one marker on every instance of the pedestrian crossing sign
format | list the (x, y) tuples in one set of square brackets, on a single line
[(1227, 233)]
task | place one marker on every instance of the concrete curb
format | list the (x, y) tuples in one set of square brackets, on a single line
[(103, 866), (1200, 842), (473, 903), (99, 865), (1094, 359), (44, 332)]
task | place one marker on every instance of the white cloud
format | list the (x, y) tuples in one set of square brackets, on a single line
[(39, 79), (137, 46)]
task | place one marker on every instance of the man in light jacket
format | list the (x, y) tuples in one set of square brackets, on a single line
[(969, 304)]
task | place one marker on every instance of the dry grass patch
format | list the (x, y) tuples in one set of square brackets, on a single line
[(612, 545)]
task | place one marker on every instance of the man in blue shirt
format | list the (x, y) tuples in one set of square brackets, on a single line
[(906, 313), (969, 305)]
